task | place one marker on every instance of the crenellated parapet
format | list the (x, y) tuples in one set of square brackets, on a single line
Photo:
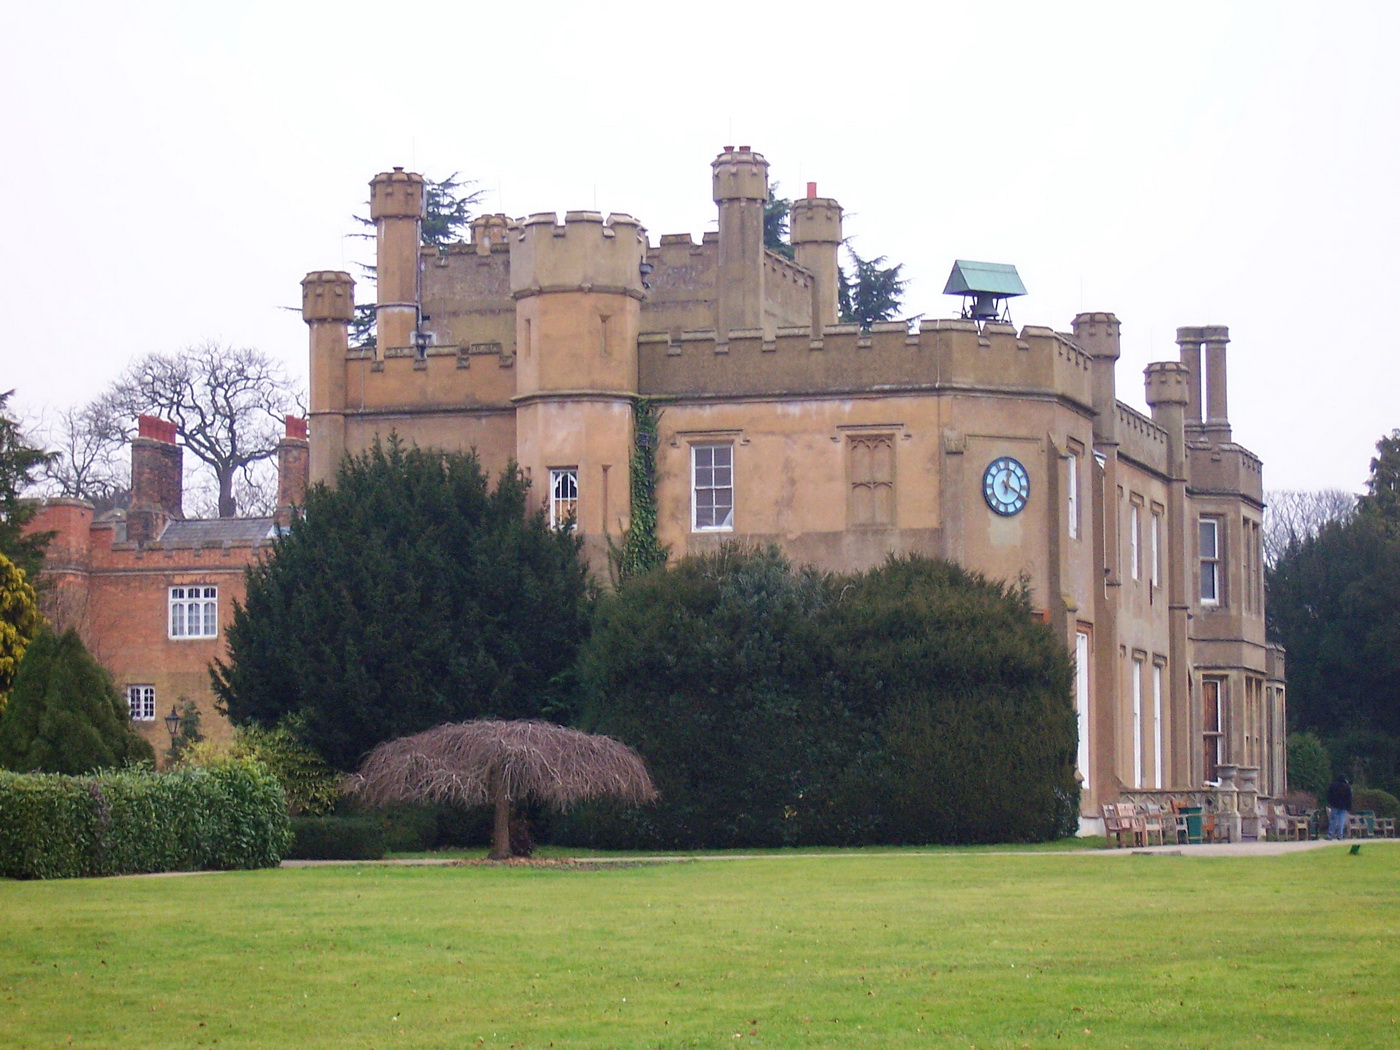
[(947, 355), (1142, 440), (327, 295), (740, 174), (396, 194), (584, 253)]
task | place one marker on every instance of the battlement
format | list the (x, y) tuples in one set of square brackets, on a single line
[(396, 194), (327, 295), (1142, 440), (844, 359), (740, 174), (584, 253), (816, 220)]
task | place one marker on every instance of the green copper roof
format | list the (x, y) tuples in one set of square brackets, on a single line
[(970, 278)]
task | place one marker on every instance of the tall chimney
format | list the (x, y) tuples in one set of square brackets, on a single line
[(293, 468), (157, 480)]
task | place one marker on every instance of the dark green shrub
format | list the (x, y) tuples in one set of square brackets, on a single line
[(1367, 756), (64, 715), (1309, 768), (913, 703), (1381, 803), (337, 838), (415, 592), (132, 821)]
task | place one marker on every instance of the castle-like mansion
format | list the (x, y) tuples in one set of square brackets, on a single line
[(1005, 450)]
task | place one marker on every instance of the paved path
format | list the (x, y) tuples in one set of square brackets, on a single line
[(1214, 849)]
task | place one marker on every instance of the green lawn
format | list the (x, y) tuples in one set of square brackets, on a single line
[(950, 949)]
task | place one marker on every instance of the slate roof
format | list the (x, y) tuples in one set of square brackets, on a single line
[(218, 531)]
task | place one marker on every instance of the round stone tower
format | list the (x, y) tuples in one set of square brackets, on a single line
[(327, 306), (740, 190), (578, 292), (396, 205), (816, 238)]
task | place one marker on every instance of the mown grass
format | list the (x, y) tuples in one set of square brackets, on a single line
[(949, 949)]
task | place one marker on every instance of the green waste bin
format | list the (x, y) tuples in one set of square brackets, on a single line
[(1194, 831)]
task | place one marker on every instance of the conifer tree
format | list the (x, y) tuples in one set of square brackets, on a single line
[(20, 621), (411, 594), (20, 465), (65, 715)]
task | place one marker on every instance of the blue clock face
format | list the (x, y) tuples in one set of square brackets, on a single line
[(1006, 486)]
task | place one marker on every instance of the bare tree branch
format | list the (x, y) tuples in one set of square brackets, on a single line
[(228, 406), (88, 443), (1292, 517)]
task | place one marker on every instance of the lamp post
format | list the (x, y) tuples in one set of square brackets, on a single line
[(172, 723)]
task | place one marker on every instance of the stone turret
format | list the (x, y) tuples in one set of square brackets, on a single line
[(1099, 334), (157, 480), (578, 292), (396, 203), (816, 237), (489, 231), (328, 306), (741, 191)]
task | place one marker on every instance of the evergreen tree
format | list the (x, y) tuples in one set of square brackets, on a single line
[(20, 465), (20, 621), (65, 715), (870, 291), (1382, 498), (776, 216), (447, 218), (409, 595), (1334, 604), (913, 703)]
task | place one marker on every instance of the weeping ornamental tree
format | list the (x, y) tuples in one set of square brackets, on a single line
[(411, 594), (502, 765)]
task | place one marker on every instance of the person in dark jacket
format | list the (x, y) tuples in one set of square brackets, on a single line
[(1339, 802)]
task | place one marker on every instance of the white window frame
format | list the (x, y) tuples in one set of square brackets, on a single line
[(141, 702), (1081, 699), (1210, 564), (1139, 662), (1135, 541), (200, 600), (1155, 543), (1072, 488), (1157, 748), (706, 478), (563, 507)]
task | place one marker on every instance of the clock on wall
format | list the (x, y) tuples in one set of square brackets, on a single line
[(1006, 486)]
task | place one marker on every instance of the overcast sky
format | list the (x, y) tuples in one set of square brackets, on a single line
[(173, 170)]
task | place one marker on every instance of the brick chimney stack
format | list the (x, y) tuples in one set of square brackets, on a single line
[(293, 469), (157, 480)]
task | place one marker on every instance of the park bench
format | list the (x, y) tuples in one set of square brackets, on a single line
[(1121, 825), (1361, 825), (1282, 825)]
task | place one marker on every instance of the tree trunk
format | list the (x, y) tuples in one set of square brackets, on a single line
[(228, 508), (500, 827)]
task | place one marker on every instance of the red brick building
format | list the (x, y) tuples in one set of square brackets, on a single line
[(150, 591)]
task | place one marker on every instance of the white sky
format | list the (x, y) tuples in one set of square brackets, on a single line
[(175, 169)]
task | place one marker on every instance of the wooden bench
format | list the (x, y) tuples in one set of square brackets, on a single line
[(1125, 825)]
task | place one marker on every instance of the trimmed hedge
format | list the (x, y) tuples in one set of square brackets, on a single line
[(337, 838), (126, 822)]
